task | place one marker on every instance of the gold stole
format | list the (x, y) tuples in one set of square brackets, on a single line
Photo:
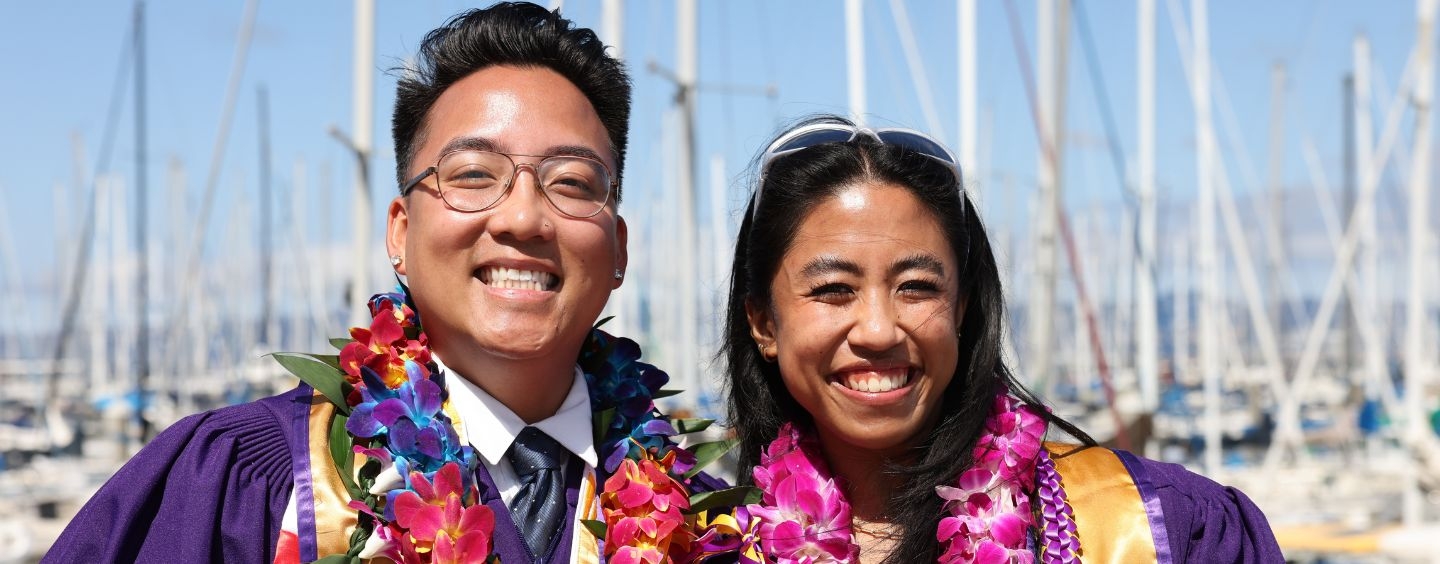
[(335, 520), (1110, 516)]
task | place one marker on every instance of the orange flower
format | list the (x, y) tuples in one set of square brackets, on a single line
[(643, 508)]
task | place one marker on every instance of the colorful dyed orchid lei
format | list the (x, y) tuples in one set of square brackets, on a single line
[(803, 518), (415, 492)]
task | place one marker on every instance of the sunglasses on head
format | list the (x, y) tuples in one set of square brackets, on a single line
[(807, 136)]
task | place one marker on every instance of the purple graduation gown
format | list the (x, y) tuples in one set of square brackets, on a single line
[(1201, 520), (213, 488)]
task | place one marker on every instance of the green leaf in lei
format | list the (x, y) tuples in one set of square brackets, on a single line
[(320, 374)]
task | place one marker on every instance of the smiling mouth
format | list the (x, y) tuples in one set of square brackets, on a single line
[(516, 279), (877, 381)]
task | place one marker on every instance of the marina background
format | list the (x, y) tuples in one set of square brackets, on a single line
[(1215, 219)]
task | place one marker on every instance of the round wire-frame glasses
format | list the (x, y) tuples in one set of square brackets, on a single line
[(471, 180)]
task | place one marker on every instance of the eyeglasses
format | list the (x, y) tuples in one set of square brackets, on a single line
[(807, 136), (472, 181)]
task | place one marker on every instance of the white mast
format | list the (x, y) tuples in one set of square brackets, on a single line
[(1417, 363), (612, 25), (855, 58), (1369, 268), (99, 290), (686, 73), (1050, 75), (968, 121), (1210, 303), (612, 32), (1274, 227), (1147, 342), (362, 87)]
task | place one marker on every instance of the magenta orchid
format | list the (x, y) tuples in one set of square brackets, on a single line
[(804, 518), (803, 515)]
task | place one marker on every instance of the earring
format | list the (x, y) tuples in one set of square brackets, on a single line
[(764, 353), (395, 260), (619, 274)]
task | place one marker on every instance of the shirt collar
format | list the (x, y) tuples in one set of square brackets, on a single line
[(491, 426)]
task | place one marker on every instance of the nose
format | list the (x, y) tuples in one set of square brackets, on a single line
[(877, 325), (522, 213)]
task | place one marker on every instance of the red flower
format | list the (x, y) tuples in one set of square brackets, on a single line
[(437, 519), (384, 348)]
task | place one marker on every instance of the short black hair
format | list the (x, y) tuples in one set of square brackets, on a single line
[(509, 33), (758, 401)]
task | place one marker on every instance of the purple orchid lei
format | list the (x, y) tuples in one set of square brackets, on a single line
[(803, 517)]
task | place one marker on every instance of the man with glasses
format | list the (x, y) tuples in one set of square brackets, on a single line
[(510, 135)]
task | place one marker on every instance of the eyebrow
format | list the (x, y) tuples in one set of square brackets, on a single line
[(919, 261), (469, 144), (486, 144), (827, 264)]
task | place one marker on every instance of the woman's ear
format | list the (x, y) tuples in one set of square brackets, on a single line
[(762, 326)]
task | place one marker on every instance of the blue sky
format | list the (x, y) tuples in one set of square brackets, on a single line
[(61, 61)]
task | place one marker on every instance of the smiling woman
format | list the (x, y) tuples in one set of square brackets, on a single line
[(872, 405)]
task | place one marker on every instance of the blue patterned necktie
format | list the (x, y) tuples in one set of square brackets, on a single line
[(539, 507)]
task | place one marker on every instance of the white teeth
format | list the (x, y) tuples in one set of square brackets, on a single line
[(873, 382), (515, 279)]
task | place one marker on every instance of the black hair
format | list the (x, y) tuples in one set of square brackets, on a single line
[(758, 401), (509, 33)]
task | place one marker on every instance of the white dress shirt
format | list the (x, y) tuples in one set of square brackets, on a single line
[(491, 427)]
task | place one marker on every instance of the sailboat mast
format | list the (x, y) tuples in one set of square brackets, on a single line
[(969, 123), (1147, 341), (142, 278), (1208, 244), (1050, 38), (686, 74), (360, 141), (266, 260), (855, 58), (1276, 223), (1417, 365)]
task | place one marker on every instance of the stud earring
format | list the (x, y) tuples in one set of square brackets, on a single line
[(619, 274), (395, 260)]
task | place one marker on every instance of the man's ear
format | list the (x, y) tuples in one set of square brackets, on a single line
[(622, 245), (397, 226)]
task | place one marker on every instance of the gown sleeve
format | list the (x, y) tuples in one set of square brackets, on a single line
[(211, 488), (1205, 521)]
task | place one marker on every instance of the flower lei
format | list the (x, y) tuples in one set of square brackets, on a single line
[(416, 495), (803, 518)]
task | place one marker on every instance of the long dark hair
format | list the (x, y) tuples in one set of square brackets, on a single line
[(758, 401)]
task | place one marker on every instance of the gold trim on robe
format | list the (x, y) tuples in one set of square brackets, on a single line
[(335, 520), (1110, 516)]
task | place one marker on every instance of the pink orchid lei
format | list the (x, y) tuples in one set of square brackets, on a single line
[(416, 495), (803, 517)]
